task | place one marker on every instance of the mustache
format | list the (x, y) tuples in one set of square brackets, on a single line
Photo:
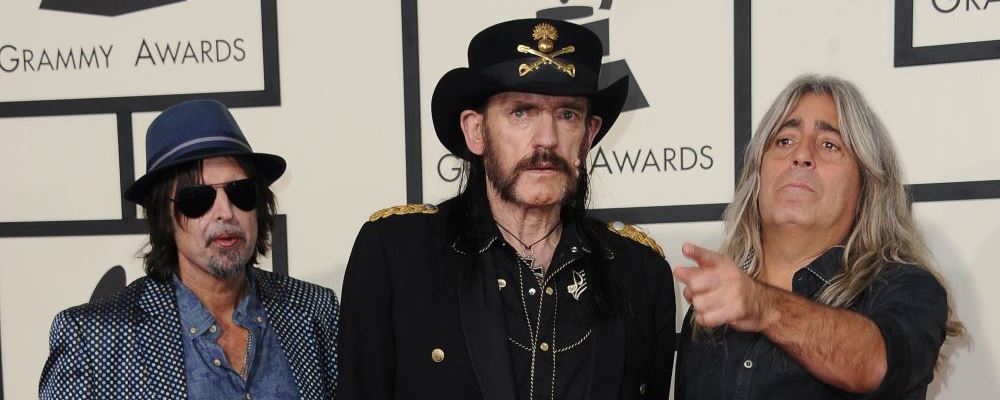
[(798, 178), (544, 158), (223, 230)]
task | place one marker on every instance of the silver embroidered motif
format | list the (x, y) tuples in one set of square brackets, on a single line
[(578, 286)]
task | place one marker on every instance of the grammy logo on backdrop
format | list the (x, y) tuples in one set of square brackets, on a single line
[(109, 8), (610, 71)]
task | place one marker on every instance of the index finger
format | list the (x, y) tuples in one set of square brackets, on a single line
[(705, 258)]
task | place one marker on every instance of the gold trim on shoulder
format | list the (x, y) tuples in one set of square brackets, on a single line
[(403, 210), (545, 34), (633, 232)]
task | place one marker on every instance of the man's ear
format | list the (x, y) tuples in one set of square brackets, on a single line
[(593, 126), (472, 127)]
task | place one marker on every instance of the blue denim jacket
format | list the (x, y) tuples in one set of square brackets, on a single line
[(209, 373)]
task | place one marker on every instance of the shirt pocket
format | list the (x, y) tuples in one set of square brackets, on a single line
[(778, 361), (704, 363), (783, 365)]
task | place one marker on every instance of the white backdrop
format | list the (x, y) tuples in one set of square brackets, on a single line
[(340, 121)]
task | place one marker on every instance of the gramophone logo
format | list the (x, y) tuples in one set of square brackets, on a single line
[(610, 71), (111, 8)]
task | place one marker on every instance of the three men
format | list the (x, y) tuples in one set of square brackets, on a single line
[(824, 288), (204, 323), (508, 290)]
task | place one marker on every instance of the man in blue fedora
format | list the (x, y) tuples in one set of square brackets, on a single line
[(204, 323)]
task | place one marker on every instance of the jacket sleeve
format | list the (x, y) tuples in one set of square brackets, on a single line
[(331, 345), (665, 332), (367, 336), (64, 375), (683, 341)]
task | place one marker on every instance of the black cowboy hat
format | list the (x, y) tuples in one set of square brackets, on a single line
[(540, 56), (195, 130)]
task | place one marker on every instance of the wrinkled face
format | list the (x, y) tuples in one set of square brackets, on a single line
[(532, 145), (808, 178), (223, 240)]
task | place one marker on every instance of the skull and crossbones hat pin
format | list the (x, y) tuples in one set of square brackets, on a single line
[(540, 56)]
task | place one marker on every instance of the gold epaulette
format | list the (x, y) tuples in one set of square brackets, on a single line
[(403, 210), (636, 234)]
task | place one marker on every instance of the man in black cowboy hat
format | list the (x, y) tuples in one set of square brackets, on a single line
[(509, 290), (204, 323)]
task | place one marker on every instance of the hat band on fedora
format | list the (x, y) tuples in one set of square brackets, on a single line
[(193, 142)]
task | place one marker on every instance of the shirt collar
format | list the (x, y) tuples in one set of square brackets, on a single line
[(197, 321), (812, 278), (488, 234)]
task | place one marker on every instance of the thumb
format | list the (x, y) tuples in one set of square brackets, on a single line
[(705, 258)]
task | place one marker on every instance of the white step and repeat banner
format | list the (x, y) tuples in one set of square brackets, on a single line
[(342, 91)]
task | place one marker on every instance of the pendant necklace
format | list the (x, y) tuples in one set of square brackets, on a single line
[(246, 358), (528, 257)]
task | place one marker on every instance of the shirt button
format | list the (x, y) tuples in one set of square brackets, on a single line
[(248, 396), (549, 290), (642, 389), (532, 291), (437, 355), (574, 249), (260, 320), (193, 330), (502, 283), (544, 346), (748, 364), (217, 362), (212, 328)]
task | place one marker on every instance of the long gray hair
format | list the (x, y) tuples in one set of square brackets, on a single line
[(884, 231)]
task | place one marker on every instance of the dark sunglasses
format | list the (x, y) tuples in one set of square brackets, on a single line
[(195, 201)]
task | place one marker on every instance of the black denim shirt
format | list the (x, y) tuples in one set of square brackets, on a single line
[(907, 303), (548, 324)]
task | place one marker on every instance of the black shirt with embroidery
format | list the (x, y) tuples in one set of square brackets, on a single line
[(906, 303), (548, 317)]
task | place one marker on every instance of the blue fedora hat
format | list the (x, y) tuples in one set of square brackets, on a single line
[(195, 130)]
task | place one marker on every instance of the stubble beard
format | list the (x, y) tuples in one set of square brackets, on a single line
[(228, 263)]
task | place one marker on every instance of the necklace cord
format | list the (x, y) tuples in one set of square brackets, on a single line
[(527, 247)]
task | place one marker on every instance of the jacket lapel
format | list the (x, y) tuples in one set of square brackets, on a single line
[(607, 350), (295, 333), (158, 341), (607, 359), (483, 327)]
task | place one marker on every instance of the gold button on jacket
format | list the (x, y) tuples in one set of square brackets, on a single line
[(437, 355)]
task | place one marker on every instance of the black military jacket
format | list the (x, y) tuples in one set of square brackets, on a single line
[(422, 316)]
